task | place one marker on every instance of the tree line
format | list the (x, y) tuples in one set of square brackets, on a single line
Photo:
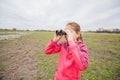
[(102, 30), (99, 30)]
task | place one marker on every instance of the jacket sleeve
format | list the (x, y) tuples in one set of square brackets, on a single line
[(52, 47), (80, 54)]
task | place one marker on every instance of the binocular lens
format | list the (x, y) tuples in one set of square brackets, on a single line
[(60, 32)]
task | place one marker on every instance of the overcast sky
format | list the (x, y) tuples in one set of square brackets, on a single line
[(54, 14)]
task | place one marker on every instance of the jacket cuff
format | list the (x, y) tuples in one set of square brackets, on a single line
[(53, 42)]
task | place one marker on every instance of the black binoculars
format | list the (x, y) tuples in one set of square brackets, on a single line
[(60, 32)]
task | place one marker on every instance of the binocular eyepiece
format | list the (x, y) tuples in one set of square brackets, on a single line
[(60, 32)]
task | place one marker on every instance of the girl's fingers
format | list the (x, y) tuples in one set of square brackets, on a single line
[(70, 34), (68, 31)]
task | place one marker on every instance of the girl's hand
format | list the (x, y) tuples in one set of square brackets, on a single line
[(56, 37), (70, 35)]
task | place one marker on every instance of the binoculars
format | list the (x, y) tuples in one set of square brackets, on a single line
[(60, 32)]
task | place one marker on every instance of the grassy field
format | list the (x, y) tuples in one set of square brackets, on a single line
[(104, 57)]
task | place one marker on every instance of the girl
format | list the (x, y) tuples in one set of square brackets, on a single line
[(73, 56)]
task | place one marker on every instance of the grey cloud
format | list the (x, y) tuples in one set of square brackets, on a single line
[(54, 14)]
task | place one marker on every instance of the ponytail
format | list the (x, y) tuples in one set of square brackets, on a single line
[(80, 37)]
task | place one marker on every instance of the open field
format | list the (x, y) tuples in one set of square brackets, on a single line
[(22, 58)]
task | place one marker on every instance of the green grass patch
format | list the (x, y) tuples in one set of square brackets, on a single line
[(104, 55)]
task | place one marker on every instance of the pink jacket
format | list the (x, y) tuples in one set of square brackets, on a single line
[(73, 58)]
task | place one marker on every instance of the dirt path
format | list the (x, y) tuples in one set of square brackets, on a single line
[(17, 62)]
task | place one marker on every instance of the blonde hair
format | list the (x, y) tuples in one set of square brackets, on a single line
[(76, 28)]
